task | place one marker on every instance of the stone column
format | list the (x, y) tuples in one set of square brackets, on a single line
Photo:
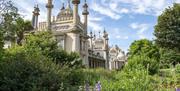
[(85, 13), (35, 17), (76, 43), (49, 7), (75, 11)]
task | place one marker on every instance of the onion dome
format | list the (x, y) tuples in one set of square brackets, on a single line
[(120, 56), (99, 41), (85, 11), (105, 34), (65, 13), (76, 1), (113, 50)]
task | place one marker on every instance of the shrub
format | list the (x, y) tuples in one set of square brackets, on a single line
[(168, 58), (177, 68), (27, 69), (129, 80), (31, 75), (148, 63), (46, 43)]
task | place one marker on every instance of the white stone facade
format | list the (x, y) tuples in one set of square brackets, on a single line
[(71, 35)]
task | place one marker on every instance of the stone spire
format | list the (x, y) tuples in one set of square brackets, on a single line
[(91, 39), (99, 34), (63, 7), (68, 5), (106, 47), (49, 7), (105, 34), (94, 37), (35, 17), (75, 12), (85, 13)]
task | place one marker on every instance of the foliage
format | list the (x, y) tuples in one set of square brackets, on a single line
[(26, 71), (5, 5), (21, 27), (48, 46), (136, 80), (94, 75), (9, 16), (168, 78), (12, 24), (168, 58), (1, 44), (144, 52), (144, 47), (178, 68), (151, 64), (167, 30)]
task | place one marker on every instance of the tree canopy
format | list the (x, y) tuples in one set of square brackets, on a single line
[(22, 26), (144, 52), (144, 47), (8, 15), (167, 30)]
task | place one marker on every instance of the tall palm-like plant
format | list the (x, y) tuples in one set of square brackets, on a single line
[(21, 27)]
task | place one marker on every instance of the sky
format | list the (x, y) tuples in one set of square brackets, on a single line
[(124, 20)]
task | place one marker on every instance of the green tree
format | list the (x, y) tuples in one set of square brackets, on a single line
[(1, 44), (169, 58), (48, 46), (144, 52), (21, 27), (144, 47), (167, 30), (28, 70), (149, 63), (4, 4), (8, 17)]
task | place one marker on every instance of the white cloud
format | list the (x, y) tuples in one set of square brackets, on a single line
[(95, 18), (122, 37), (41, 1), (95, 26), (177, 1), (147, 7), (140, 28), (116, 33), (105, 11)]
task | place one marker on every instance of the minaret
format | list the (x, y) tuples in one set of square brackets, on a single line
[(35, 17), (75, 12), (49, 7), (91, 40), (63, 7), (106, 48), (68, 5), (85, 14)]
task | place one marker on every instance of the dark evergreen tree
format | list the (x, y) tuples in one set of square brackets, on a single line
[(167, 30)]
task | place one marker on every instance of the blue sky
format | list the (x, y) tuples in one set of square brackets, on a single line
[(124, 20)]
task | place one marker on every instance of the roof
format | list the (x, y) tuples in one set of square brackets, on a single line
[(99, 41)]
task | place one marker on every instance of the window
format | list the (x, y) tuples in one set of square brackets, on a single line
[(61, 43)]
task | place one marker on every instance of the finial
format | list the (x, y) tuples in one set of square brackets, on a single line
[(62, 7), (99, 34), (35, 2), (76, 1), (54, 18), (68, 5), (85, 4), (90, 32), (94, 34), (85, 11), (104, 30)]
